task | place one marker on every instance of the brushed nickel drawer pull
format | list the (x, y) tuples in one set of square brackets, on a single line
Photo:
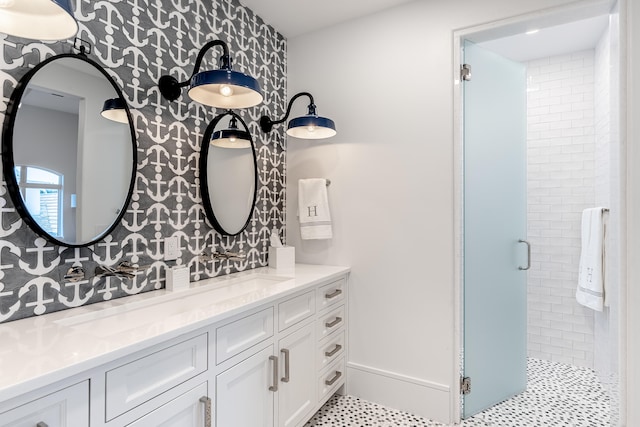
[(333, 294), (335, 378), (336, 349), (42, 424), (285, 379), (334, 322), (207, 410), (274, 387)]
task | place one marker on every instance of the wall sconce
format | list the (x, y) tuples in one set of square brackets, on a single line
[(114, 109), (232, 137), (223, 88), (38, 19), (310, 126)]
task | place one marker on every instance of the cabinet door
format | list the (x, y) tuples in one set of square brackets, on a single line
[(297, 390), (65, 408), (243, 395), (187, 410)]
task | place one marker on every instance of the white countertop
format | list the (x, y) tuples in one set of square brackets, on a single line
[(38, 351)]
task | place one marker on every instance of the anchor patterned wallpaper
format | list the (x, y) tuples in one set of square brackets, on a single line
[(137, 41)]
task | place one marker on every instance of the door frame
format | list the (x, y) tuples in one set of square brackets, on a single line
[(501, 28)]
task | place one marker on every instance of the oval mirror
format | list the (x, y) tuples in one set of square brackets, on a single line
[(228, 174), (68, 161)]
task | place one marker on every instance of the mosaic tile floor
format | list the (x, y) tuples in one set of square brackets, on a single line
[(557, 395)]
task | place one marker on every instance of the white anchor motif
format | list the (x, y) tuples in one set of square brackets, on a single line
[(108, 260), (40, 267), (76, 301), (13, 309), (108, 288), (4, 232), (40, 302)]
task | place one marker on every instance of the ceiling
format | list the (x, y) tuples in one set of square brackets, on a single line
[(551, 41), (295, 17)]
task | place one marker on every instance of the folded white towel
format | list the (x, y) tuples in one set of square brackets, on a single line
[(313, 209), (590, 292)]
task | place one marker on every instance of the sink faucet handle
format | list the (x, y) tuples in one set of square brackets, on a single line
[(236, 256), (205, 257), (74, 274), (123, 270)]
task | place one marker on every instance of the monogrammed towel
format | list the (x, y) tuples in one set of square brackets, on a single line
[(591, 286), (313, 209)]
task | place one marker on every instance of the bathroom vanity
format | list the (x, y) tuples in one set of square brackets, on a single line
[(257, 348)]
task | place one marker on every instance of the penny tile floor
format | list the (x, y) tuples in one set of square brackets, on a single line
[(557, 395)]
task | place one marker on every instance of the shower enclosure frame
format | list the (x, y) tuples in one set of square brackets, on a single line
[(510, 26)]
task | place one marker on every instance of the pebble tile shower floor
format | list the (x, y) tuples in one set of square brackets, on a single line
[(557, 395)]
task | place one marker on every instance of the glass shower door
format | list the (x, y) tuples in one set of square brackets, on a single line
[(495, 311)]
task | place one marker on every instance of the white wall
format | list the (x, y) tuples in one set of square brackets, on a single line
[(560, 185), (387, 80), (632, 121), (49, 138)]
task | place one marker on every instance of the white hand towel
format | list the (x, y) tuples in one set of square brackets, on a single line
[(590, 292), (313, 209)]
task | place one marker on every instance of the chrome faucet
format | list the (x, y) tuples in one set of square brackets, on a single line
[(226, 255), (123, 270)]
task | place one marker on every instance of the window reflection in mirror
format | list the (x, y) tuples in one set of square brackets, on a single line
[(42, 192)]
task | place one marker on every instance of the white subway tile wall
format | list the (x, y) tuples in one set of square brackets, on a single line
[(608, 192), (561, 152)]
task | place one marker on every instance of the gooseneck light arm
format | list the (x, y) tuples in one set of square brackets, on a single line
[(225, 59), (169, 86), (266, 124)]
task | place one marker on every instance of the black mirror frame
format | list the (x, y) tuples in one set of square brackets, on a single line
[(8, 163), (204, 183)]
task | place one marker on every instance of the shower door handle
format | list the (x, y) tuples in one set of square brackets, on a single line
[(528, 255)]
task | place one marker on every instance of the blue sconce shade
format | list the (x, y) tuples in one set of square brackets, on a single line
[(231, 137), (222, 88), (225, 88), (38, 19), (114, 109), (310, 126)]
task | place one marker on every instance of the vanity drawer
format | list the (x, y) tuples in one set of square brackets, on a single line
[(330, 322), (136, 382), (235, 337), (331, 294), (331, 379), (330, 349), (68, 407), (296, 309)]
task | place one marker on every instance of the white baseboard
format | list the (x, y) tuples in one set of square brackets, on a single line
[(420, 397)]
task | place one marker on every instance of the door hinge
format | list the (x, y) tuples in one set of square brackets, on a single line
[(465, 72), (465, 385)]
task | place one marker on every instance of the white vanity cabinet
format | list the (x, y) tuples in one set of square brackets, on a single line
[(244, 393), (331, 337), (297, 392), (272, 381), (68, 407), (270, 362)]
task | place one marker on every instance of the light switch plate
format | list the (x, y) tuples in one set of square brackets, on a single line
[(171, 248)]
